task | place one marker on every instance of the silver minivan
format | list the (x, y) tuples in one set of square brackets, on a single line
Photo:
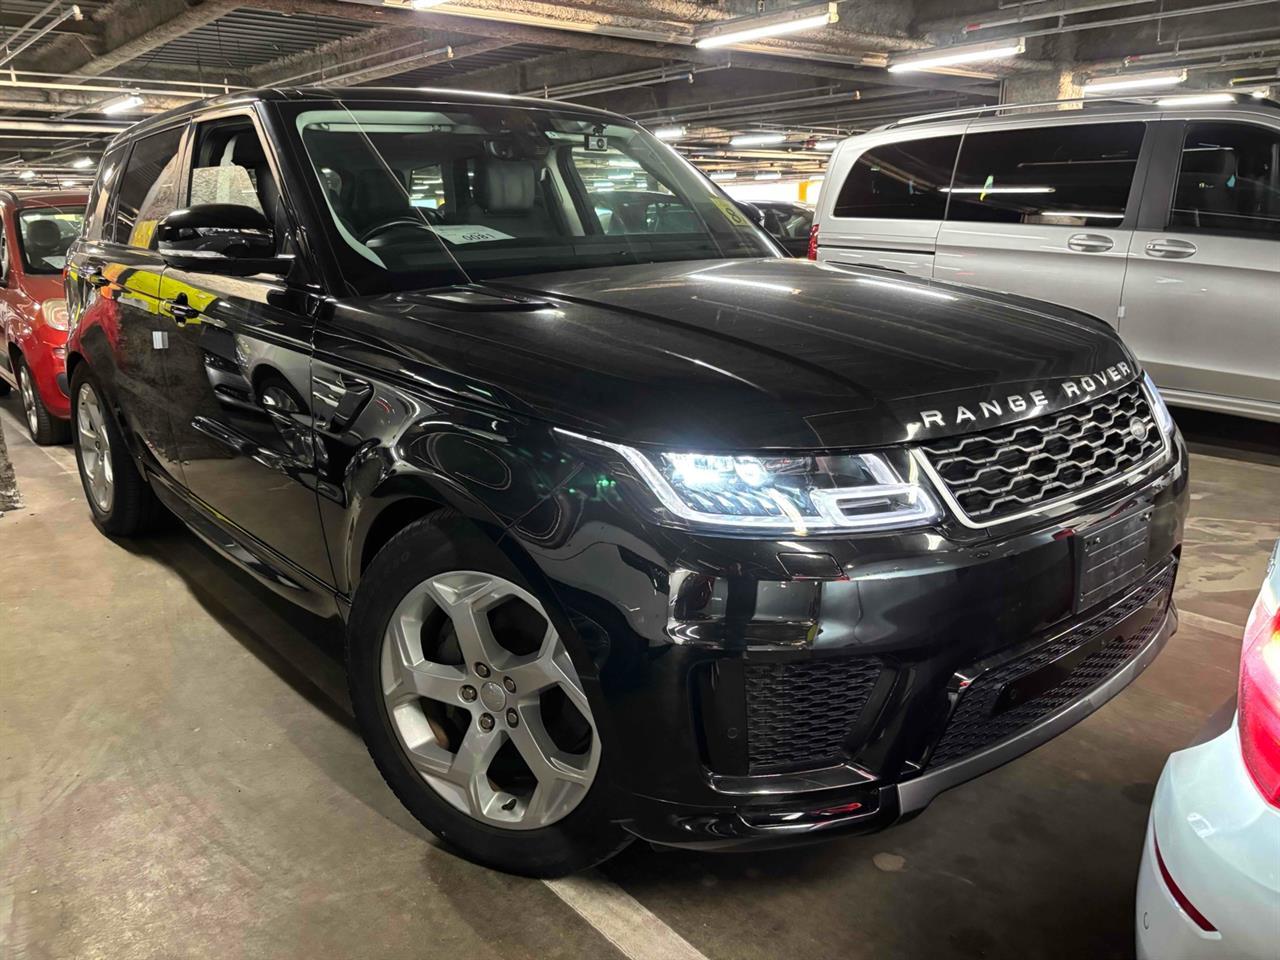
[(1164, 222)]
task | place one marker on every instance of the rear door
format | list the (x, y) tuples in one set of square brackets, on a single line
[(1044, 211), (1202, 292), (116, 280), (886, 202)]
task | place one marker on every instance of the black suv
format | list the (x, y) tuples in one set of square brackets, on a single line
[(637, 528)]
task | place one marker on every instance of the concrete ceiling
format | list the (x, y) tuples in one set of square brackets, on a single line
[(63, 63)]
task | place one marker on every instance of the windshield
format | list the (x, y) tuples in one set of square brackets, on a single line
[(45, 233), (423, 196)]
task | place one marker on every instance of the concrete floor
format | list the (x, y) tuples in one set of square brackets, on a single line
[(179, 777)]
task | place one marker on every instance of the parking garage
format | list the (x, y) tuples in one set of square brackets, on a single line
[(854, 428)]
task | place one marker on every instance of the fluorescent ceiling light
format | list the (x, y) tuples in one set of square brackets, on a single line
[(628, 164), (757, 139), (603, 185), (817, 179), (996, 189), (27, 175), (621, 176), (774, 28), (70, 183), (960, 53), (1259, 93), (82, 163), (769, 175), (724, 175), (130, 101), (1134, 81), (826, 145), (669, 133), (1195, 100)]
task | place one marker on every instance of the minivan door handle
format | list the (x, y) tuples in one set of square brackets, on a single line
[(1170, 249), (1090, 242)]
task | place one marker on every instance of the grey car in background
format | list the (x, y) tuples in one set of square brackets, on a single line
[(1164, 222)]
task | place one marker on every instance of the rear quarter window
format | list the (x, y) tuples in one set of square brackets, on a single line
[(900, 181)]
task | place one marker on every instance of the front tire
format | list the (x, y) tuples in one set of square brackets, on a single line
[(471, 707), (120, 499), (45, 429)]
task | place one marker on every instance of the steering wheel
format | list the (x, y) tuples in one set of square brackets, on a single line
[(429, 216)]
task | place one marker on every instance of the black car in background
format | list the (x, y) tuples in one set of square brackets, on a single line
[(788, 223), (637, 528)]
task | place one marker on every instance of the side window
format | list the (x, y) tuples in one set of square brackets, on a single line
[(4, 246), (626, 199), (1070, 175), (229, 165), (900, 181), (148, 189), (100, 195), (1228, 180)]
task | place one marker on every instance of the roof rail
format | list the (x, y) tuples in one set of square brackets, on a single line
[(1135, 99)]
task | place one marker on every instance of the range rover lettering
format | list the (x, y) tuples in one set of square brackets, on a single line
[(637, 528)]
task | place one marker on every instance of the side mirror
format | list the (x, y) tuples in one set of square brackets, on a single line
[(224, 238), (751, 212)]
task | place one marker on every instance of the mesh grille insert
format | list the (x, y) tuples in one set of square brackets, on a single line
[(973, 726), (799, 714), (1007, 470)]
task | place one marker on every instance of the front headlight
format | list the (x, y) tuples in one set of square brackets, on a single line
[(1163, 416), (793, 494)]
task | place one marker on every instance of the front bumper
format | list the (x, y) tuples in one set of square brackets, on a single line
[(759, 693), (1220, 842)]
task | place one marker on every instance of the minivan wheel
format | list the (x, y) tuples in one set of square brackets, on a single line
[(471, 706), (120, 500), (44, 427)]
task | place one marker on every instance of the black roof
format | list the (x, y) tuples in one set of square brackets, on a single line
[(433, 95)]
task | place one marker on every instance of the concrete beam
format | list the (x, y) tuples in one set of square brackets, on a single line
[(124, 31)]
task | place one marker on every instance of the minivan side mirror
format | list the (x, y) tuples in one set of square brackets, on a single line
[(223, 238)]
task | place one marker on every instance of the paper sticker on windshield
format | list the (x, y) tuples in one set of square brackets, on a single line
[(731, 212), (468, 233)]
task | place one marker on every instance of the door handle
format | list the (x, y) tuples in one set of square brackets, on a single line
[(1170, 249), (1089, 242), (95, 277), (180, 310)]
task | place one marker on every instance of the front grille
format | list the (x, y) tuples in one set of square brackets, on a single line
[(800, 713), (1006, 471), (975, 723)]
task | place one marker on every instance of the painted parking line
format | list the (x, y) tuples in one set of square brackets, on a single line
[(622, 919)]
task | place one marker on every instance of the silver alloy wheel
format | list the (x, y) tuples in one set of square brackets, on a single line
[(499, 692), (28, 391), (95, 448)]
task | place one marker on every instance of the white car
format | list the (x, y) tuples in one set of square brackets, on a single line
[(1209, 886)]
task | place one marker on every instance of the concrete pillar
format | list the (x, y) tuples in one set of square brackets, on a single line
[(1037, 86)]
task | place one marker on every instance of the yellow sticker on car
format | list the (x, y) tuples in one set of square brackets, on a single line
[(731, 212)]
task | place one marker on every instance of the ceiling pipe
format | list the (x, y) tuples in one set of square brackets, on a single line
[(1064, 28), (72, 13)]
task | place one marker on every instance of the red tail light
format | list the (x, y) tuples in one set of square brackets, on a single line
[(1260, 691), (813, 242)]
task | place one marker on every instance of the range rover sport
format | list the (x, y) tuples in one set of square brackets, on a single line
[(638, 529)]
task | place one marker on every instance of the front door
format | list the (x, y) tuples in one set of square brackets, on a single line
[(1043, 211), (241, 366), (1202, 293)]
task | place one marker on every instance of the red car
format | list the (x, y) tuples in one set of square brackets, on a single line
[(35, 231)]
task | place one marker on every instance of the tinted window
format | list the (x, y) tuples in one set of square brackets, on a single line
[(100, 195), (148, 189), (900, 181), (1229, 179), (1073, 175), (229, 165)]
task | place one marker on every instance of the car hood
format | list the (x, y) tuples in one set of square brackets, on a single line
[(746, 354)]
